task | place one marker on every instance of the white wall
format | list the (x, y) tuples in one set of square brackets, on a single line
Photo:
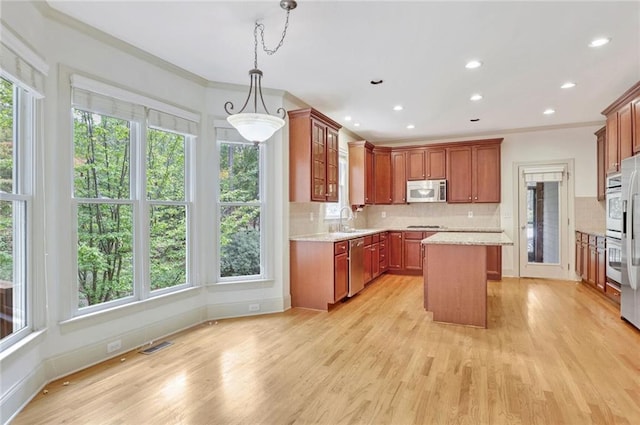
[(63, 344)]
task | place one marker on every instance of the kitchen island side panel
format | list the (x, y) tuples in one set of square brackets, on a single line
[(456, 284), (311, 274)]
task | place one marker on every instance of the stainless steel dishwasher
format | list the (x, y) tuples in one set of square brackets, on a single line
[(356, 266)]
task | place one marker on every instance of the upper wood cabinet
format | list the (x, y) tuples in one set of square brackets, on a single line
[(601, 140), (313, 157), (426, 163), (398, 178), (361, 173), (473, 173), (623, 135), (382, 175)]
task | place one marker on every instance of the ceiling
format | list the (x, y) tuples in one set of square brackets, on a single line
[(333, 50)]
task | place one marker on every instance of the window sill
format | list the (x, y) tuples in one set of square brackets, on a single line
[(233, 285), (25, 343), (97, 317)]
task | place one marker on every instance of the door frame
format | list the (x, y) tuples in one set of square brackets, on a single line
[(567, 249)]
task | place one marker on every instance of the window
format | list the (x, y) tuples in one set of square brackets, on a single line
[(131, 190), (332, 209), (16, 128), (240, 206)]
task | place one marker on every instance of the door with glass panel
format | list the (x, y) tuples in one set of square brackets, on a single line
[(543, 221)]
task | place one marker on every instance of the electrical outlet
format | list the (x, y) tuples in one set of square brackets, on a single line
[(114, 345), (254, 307), (470, 214), (383, 214)]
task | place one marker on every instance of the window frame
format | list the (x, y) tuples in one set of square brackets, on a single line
[(343, 188), (141, 206), (24, 138), (262, 204)]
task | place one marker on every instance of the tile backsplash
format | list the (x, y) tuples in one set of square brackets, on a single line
[(590, 214), (306, 218)]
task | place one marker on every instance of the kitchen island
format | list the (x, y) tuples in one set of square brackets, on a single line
[(455, 279)]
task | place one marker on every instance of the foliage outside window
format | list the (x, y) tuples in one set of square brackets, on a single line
[(240, 210), (15, 104), (131, 231)]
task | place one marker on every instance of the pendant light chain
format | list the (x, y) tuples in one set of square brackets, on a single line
[(268, 51)]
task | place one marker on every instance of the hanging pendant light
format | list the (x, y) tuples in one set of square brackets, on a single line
[(259, 126)]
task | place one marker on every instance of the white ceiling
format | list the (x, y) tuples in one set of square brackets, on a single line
[(335, 48)]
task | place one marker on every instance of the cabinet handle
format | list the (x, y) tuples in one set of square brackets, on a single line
[(469, 197), (475, 197)]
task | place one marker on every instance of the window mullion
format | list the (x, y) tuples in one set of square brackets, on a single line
[(139, 190)]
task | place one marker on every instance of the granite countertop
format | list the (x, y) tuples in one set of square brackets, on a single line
[(358, 233), (468, 238)]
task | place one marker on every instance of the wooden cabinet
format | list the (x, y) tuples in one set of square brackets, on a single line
[(368, 269), (601, 139), (592, 261), (382, 175), (584, 250), (383, 252), (578, 259), (473, 173), (398, 178), (318, 273), (372, 262), (394, 249), (426, 163), (413, 250), (494, 262), (591, 264), (601, 271), (313, 157), (361, 173), (622, 134)]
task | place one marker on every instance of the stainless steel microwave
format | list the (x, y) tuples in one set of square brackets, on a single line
[(427, 191)]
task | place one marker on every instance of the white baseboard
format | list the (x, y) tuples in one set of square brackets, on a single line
[(242, 309), (20, 394)]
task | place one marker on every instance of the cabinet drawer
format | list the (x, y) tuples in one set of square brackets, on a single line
[(383, 236), (383, 246), (340, 247), (375, 238), (413, 235), (368, 240)]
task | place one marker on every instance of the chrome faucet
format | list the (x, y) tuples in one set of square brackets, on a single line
[(349, 217)]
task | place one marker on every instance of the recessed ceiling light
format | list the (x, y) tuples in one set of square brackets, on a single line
[(398, 108), (549, 111), (568, 85), (473, 64), (357, 124), (476, 97), (411, 126), (347, 118), (597, 42)]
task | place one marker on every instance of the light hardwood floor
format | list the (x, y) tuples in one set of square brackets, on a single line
[(554, 353)]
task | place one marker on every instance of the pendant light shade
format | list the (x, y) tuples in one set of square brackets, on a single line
[(255, 127)]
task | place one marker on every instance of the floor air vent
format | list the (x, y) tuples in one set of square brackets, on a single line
[(155, 348)]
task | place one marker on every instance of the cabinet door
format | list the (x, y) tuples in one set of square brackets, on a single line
[(412, 254), (394, 250), (459, 174), (578, 255), (319, 155), (625, 132), (612, 143), (601, 161), (375, 260), (636, 126), (601, 273), (486, 173), (436, 163), (382, 172), (592, 264), (415, 164), (584, 251), (341, 277), (398, 178), (368, 271), (384, 258), (332, 165), (494, 262), (369, 177)]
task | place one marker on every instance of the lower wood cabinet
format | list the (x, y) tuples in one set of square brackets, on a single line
[(494, 262), (319, 273), (395, 250), (413, 250), (590, 264)]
